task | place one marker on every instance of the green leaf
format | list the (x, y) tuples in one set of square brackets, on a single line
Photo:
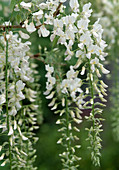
[(18, 18), (55, 42), (12, 4)]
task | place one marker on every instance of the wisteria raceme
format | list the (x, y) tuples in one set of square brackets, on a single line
[(68, 89), (91, 51), (14, 90), (111, 10), (109, 21)]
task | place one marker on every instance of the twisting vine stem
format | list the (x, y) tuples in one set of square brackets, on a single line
[(6, 89)]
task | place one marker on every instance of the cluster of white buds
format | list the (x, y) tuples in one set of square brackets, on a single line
[(14, 77), (110, 16), (68, 89), (72, 85), (109, 21), (51, 80), (91, 51)]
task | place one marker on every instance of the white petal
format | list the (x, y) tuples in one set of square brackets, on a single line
[(51, 95), (0, 148), (2, 156), (77, 120), (3, 164), (24, 138), (59, 141), (104, 70), (44, 31), (15, 125), (10, 131), (30, 28), (58, 122), (23, 35), (52, 102), (55, 107), (25, 5), (83, 70), (103, 84)]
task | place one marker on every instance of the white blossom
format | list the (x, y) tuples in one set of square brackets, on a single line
[(25, 5), (2, 156), (86, 11), (2, 99), (38, 15), (74, 5), (83, 24), (3, 164), (10, 131), (43, 31), (20, 85), (23, 35), (31, 27)]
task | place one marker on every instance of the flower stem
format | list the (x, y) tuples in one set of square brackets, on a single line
[(92, 95), (68, 132), (93, 106), (6, 89)]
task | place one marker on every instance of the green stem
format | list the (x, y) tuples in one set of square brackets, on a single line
[(68, 132), (27, 147), (6, 87), (92, 96), (116, 74), (92, 91)]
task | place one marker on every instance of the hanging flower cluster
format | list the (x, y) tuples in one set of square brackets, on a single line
[(68, 89), (16, 117), (76, 28), (109, 21), (111, 10)]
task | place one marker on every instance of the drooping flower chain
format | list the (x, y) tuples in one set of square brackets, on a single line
[(67, 89), (111, 32), (91, 51), (16, 63), (109, 21)]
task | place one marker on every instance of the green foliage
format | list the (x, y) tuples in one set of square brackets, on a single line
[(12, 4)]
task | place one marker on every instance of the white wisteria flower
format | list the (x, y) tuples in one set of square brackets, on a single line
[(43, 31), (30, 27), (38, 15), (13, 88), (2, 99), (26, 5), (23, 35), (74, 5), (83, 24), (50, 80), (10, 131), (20, 85), (86, 11)]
